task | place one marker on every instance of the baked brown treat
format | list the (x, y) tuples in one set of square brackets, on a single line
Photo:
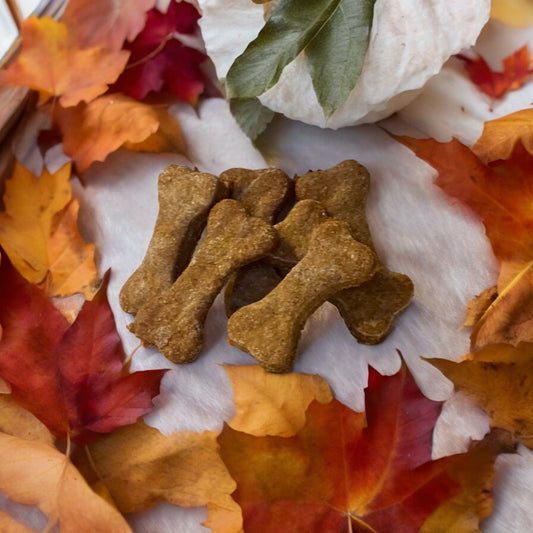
[(185, 198), (294, 233), (370, 309), (263, 193), (270, 329), (173, 320)]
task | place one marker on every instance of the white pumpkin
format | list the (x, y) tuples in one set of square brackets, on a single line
[(410, 41)]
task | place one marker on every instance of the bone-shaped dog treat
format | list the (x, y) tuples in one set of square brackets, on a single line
[(370, 309), (263, 193), (255, 281), (270, 329), (294, 232), (185, 198), (173, 320), (342, 190)]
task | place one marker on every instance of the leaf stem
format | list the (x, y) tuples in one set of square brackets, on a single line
[(69, 446), (91, 461), (152, 54), (127, 361)]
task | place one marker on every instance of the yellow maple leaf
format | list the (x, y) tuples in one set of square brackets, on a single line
[(273, 404), (51, 63), (501, 135), (38, 231), (517, 13)]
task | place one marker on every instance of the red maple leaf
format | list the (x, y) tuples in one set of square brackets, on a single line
[(159, 60), (516, 71), (366, 472), (72, 377)]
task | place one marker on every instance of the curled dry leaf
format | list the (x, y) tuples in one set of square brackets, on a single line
[(51, 63), (71, 377), (499, 379), (39, 233), (500, 194), (33, 473), (477, 307), (347, 471), (273, 404), (509, 318), (92, 131), (139, 467), (501, 135)]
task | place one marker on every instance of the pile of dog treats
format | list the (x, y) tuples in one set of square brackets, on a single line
[(279, 247)]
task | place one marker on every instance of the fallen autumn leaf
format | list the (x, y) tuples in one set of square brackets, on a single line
[(33, 473), (39, 233), (51, 63), (71, 377), (346, 471), (500, 194)]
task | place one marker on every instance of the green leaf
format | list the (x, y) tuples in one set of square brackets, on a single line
[(335, 36), (336, 55), (290, 28), (251, 115)]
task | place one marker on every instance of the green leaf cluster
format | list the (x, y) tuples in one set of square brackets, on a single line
[(334, 35)]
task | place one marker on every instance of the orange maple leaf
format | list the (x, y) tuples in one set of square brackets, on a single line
[(106, 23), (92, 131), (51, 62), (501, 194), (39, 233), (516, 71), (347, 471), (37, 474)]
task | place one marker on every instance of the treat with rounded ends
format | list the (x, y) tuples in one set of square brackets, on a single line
[(370, 309), (185, 198), (173, 320), (263, 193), (270, 329), (410, 40), (342, 190), (294, 232)]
